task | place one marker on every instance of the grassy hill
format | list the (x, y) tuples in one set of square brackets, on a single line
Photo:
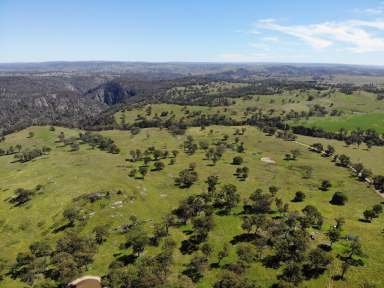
[(66, 175), (358, 110), (368, 157), (351, 122)]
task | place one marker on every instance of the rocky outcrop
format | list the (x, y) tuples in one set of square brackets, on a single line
[(111, 93), (31, 99)]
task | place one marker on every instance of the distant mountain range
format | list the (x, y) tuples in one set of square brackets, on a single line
[(184, 68)]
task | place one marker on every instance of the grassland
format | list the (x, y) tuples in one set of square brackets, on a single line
[(66, 175), (373, 121), (370, 158), (359, 110)]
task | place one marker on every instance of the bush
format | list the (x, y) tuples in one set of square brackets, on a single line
[(369, 215), (339, 198), (22, 196), (378, 209), (237, 160), (159, 165), (186, 178), (325, 185), (299, 196)]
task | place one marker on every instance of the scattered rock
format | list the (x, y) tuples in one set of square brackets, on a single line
[(268, 160), (117, 204)]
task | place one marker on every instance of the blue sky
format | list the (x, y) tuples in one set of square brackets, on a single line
[(174, 30)]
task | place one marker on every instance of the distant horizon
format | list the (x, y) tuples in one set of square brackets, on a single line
[(190, 62)]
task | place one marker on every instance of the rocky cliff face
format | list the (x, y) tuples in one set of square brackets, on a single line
[(26, 100), (66, 98), (111, 93)]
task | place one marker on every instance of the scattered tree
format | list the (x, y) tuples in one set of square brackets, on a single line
[(299, 197), (339, 198)]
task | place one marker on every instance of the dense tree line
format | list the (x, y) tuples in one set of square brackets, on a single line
[(358, 170), (370, 137)]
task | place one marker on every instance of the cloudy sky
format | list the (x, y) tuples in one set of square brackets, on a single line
[(173, 30)]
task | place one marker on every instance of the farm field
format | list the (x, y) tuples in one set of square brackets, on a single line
[(66, 175), (373, 121)]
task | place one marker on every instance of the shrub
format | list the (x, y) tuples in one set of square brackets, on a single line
[(378, 209), (369, 214), (325, 185), (186, 178), (339, 198), (237, 160), (299, 196)]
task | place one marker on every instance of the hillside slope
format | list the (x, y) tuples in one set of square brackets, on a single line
[(66, 175)]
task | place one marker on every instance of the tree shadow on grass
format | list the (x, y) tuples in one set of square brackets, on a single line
[(240, 213), (351, 261), (20, 204), (271, 261), (60, 146), (245, 237), (364, 220), (127, 259), (62, 227), (325, 247), (222, 212), (312, 273), (337, 277), (189, 246), (193, 274)]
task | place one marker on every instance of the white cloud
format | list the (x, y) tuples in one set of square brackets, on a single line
[(378, 10), (262, 57), (258, 45), (356, 35), (356, 40), (302, 32), (264, 43), (256, 32), (270, 39)]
